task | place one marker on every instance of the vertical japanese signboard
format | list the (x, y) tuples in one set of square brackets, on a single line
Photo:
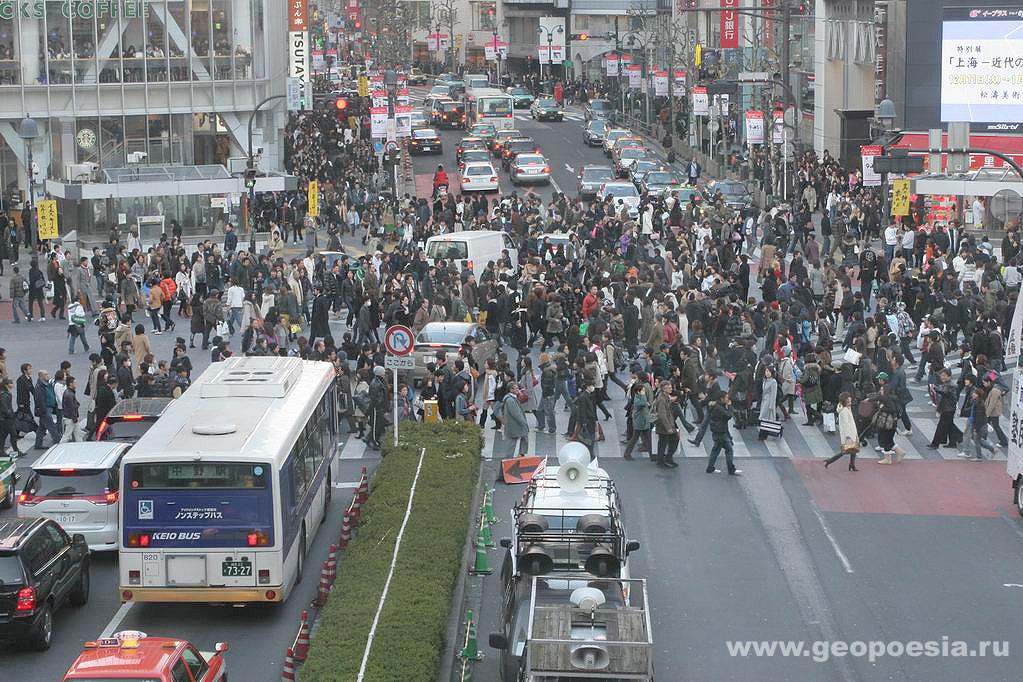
[(729, 23), (314, 199), (661, 83), (635, 76), (612, 65), (298, 43), (46, 217), (900, 196)]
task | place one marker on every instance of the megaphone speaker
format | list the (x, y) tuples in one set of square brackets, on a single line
[(602, 562), (589, 657), (536, 561), (573, 474)]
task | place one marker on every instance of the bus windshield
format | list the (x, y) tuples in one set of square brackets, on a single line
[(496, 106)]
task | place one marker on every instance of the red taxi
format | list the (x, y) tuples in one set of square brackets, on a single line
[(134, 656)]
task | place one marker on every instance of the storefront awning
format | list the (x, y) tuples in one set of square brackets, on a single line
[(980, 183), (162, 181)]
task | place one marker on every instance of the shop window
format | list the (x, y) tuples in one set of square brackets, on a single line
[(156, 43), (9, 67), (58, 45)]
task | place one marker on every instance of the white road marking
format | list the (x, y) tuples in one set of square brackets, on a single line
[(570, 169), (831, 538), (390, 572), (355, 448), (116, 621)]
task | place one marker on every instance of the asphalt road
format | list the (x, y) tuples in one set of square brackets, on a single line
[(258, 635)]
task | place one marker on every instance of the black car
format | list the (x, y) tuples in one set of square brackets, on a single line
[(593, 133), (546, 109), (41, 568), (425, 140), (514, 147), (597, 109), (448, 114), (131, 418)]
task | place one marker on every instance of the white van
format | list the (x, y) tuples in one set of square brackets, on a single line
[(472, 249), (78, 486)]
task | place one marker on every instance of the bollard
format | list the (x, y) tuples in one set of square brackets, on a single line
[(288, 671), (488, 538), (332, 563), (488, 506), (324, 589), (363, 492), (481, 565), (346, 530), (302, 641), (471, 650)]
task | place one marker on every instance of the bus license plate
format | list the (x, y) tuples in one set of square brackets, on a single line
[(236, 569)]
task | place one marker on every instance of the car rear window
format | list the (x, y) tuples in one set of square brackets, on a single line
[(424, 134), (75, 483), (10, 570), (479, 170), (531, 159), (450, 106), (127, 432), (442, 335), (597, 174), (599, 105), (448, 250), (660, 178)]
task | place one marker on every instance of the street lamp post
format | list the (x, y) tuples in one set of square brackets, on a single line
[(540, 31), (28, 130), (250, 174), (885, 116)]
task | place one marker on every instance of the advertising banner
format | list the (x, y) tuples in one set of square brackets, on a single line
[(379, 98), (403, 120), (778, 126), (755, 127), (701, 102), (661, 83), (314, 199), (680, 81), (871, 178), (298, 15), (900, 197), (729, 20), (378, 122), (46, 219), (635, 72), (612, 65)]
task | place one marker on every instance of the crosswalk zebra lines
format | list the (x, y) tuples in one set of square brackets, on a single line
[(569, 116)]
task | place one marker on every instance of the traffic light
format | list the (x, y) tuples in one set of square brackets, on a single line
[(801, 7), (250, 178), (690, 4), (580, 36), (358, 24), (341, 108)]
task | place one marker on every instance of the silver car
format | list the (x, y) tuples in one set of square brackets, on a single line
[(77, 485), (530, 168), (592, 177), (449, 338)]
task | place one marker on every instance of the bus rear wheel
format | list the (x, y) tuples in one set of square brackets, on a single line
[(301, 557)]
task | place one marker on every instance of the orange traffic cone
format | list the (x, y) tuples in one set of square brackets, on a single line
[(302, 642), (288, 671)]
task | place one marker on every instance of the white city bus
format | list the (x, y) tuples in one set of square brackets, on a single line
[(223, 496), (489, 105)]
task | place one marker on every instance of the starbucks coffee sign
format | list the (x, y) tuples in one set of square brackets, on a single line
[(75, 9)]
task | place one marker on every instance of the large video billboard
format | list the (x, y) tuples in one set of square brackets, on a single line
[(982, 65)]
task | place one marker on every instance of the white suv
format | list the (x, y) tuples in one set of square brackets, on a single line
[(77, 485)]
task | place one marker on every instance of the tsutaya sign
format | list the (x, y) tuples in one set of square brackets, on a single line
[(75, 9)]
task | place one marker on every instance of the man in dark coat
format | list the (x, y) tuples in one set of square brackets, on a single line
[(321, 311)]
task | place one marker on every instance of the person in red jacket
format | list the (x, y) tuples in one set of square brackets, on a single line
[(590, 303)]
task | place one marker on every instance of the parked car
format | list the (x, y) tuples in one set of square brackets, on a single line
[(418, 119), (479, 176), (736, 193), (416, 77), (530, 168), (449, 338), (641, 167), (598, 109), (623, 192), (425, 140), (625, 156), (133, 655), (546, 110), (593, 133), (473, 156), (500, 138), (78, 486), (130, 418), (520, 145), (592, 177), (447, 114), (611, 135), (467, 143), (484, 131), (41, 569), (522, 98), (659, 182)]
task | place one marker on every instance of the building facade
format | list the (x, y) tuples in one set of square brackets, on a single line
[(173, 79)]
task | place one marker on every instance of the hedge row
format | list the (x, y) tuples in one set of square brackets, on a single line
[(409, 640)]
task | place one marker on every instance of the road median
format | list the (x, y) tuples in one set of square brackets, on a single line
[(408, 639)]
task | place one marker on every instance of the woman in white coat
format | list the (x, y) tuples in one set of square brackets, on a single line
[(848, 434), (768, 400)]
